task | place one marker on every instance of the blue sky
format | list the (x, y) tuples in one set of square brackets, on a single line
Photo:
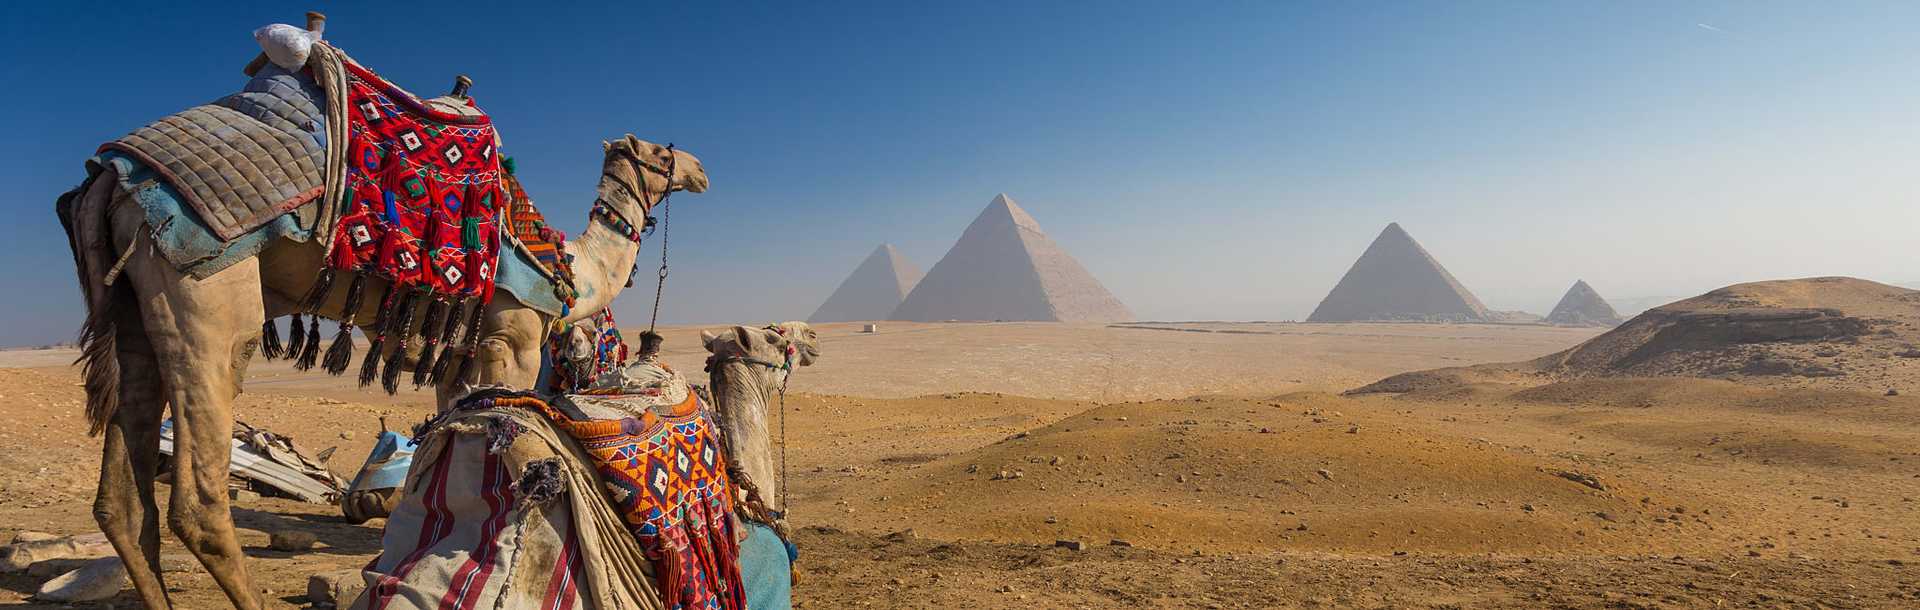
[(1219, 160)]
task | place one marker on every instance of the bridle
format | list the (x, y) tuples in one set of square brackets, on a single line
[(638, 192)]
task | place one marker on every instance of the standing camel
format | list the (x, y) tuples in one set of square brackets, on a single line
[(155, 338)]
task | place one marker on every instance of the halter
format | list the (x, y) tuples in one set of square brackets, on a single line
[(612, 215)]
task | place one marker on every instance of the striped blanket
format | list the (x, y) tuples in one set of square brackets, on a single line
[(502, 510)]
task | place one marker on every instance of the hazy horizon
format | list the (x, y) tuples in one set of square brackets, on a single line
[(1221, 162)]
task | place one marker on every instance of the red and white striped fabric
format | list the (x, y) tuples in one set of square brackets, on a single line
[(491, 519)]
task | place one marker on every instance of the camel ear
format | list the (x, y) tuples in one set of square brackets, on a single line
[(706, 339), (606, 146), (745, 336)]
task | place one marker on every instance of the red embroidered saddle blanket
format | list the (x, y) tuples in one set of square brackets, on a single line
[(666, 476), (425, 192)]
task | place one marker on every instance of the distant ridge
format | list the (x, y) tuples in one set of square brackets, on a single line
[(1396, 279), (1582, 306), (873, 290), (1004, 267)]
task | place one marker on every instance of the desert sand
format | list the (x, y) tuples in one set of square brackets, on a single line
[(1203, 466)]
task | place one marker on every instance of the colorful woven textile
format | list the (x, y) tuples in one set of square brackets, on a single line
[(666, 476), (547, 244), (609, 354), (424, 189)]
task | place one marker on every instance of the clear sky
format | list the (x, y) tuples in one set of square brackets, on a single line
[(1206, 161)]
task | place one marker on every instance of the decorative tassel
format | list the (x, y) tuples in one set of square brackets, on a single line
[(296, 337), (370, 367), (444, 358), (430, 333), (341, 353), (465, 374), (390, 376), (317, 295), (470, 232), (311, 352), (270, 339)]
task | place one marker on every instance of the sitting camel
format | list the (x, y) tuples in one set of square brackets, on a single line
[(523, 513), (157, 337)]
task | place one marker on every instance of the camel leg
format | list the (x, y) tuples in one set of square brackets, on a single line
[(202, 333), (130, 460)]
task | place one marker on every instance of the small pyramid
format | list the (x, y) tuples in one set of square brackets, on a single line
[(1395, 279), (1582, 306), (1005, 268), (872, 290)]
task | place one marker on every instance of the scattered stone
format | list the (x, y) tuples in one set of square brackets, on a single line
[(1052, 520), (1581, 478), (292, 540), (1324, 474), (1266, 430), (97, 580), (1354, 430), (1526, 507), (346, 436), (1119, 542), (903, 535), (19, 556), (1892, 392), (33, 537), (56, 567), (1057, 460), (1071, 545), (1004, 589), (243, 495), (328, 590)]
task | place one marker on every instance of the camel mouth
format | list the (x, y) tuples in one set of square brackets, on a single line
[(695, 184)]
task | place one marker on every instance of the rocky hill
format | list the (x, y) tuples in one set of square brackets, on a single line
[(1831, 332)]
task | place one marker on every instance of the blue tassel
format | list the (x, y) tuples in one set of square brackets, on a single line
[(393, 209)]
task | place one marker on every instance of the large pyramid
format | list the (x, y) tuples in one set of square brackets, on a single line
[(1582, 306), (1395, 279), (1005, 268), (872, 290)]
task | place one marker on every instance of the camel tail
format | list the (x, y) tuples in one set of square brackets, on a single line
[(83, 213)]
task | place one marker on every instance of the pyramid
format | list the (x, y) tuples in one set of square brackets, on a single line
[(872, 290), (1395, 279), (1583, 307), (1005, 268)]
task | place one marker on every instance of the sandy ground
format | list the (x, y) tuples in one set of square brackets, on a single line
[(935, 466)]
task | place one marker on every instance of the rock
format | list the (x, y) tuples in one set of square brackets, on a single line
[(292, 540), (1324, 474), (330, 589), (19, 556), (903, 535), (56, 567), (97, 580), (1071, 545), (1353, 430), (1526, 507), (1892, 392), (1119, 542), (346, 436), (242, 495), (33, 537)]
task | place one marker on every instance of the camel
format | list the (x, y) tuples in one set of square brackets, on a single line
[(155, 337), (748, 371)]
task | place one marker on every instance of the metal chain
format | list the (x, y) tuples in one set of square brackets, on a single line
[(786, 508), (666, 219)]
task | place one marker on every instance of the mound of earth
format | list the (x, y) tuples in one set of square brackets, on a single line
[(1236, 475), (1828, 332)]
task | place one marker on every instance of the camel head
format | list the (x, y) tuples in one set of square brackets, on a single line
[(771, 344), (630, 158)]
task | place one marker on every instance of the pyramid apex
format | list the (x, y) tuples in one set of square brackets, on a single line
[(1004, 205)]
